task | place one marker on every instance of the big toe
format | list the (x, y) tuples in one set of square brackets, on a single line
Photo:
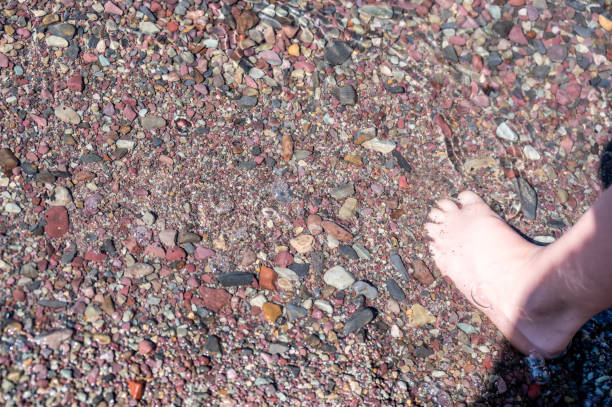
[(468, 198)]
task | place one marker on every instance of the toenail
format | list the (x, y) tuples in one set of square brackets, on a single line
[(479, 298)]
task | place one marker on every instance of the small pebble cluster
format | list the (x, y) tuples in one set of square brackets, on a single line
[(221, 202)]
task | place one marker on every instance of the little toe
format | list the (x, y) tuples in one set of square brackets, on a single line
[(468, 197), (436, 215), (447, 205)]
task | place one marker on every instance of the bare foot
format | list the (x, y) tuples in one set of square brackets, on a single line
[(502, 274)]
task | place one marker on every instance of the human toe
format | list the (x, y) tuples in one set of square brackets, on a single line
[(436, 215), (447, 205), (468, 197)]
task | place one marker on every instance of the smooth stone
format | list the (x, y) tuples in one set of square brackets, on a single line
[(57, 222), (382, 146), (421, 316), (361, 251), (337, 53), (450, 53), (55, 338), (212, 344), (338, 278), (247, 101), (278, 348), (397, 262), (271, 311), (235, 279), (63, 30), (494, 59), (557, 52), (348, 252), (343, 191), (295, 312), (395, 291), (505, 132), (67, 114), (531, 153), (147, 27), (60, 197), (55, 41), (528, 198), (301, 269), (139, 270), (287, 274), (467, 328), (324, 306), (346, 95), (366, 289), (302, 243), (422, 273), (401, 161), (150, 122), (347, 211), (357, 321), (91, 158), (53, 304), (383, 12)]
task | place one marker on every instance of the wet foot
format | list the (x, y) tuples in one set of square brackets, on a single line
[(501, 273)]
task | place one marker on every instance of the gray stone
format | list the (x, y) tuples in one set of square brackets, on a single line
[(401, 161), (557, 52), (343, 191), (346, 95), (395, 291), (235, 279), (91, 158), (301, 269), (55, 304), (397, 262), (361, 251), (467, 328), (357, 321), (295, 312), (528, 198), (384, 12), (55, 338), (150, 122), (67, 114), (212, 344), (348, 252), (505, 132), (366, 289), (278, 348), (382, 146), (338, 52), (147, 27), (247, 101), (494, 59), (63, 30), (450, 54), (55, 41), (338, 278)]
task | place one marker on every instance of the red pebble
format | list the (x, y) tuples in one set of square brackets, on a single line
[(145, 347), (175, 254), (57, 221), (75, 82), (534, 391)]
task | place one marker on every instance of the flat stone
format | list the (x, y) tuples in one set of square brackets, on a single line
[(295, 312), (139, 270), (531, 153), (214, 299), (235, 279), (56, 41), (338, 278), (494, 59), (302, 243), (147, 27), (343, 191), (346, 94), (450, 53), (324, 306), (8, 161), (278, 348), (348, 208), (212, 344), (528, 198), (505, 132), (557, 52), (60, 197), (395, 291), (57, 222), (401, 161), (55, 338), (348, 252), (382, 146), (90, 158), (151, 122), (357, 321), (336, 231), (338, 52), (53, 304), (247, 101), (384, 12), (301, 269), (63, 30), (271, 312), (67, 114), (397, 262), (467, 328), (246, 20), (361, 251), (366, 289), (422, 273), (420, 316)]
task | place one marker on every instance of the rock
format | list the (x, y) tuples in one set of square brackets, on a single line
[(67, 115), (60, 197), (150, 122), (342, 191), (420, 316), (139, 270), (235, 279), (338, 278), (287, 274), (337, 52), (278, 348), (557, 53), (505, 132), (146, 347), (516, 35), (383, 12), (247, 101), (57, 222), (136, 389), (147, 27), (503, 28), (295, 312), (348, 252), (494, 59), (271, 312), (397, 262), (357, 321), (531, 153), (54, 339), (450, 53), (401, 161), (467, 328), (347, 211), (346, 95), (302, 243), (267, 278), (55, 41), (8, 161), (422, 273), (284, 259), (91, 158), (382, 146), (395, 291), (111, 8), (301, 269), (286, 147), (336, 231), (366, 289), (214, 299), (361, 251), (528, 198), (188, 237), (313, 223), (168, 238), (324, 306), (246, 20), (12, 208), (212, 344), (248, 257), (605, 22)]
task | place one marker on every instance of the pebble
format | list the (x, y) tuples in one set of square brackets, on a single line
[(401, 161), (324, 306), (346, 95), (8, 161), (300, 269), (347, 211), (336, 231), (361, 251), (55, 41), (57, 222), (337, 52), (147, 27), (528, 198), (420, 316), (138, 270), (213, 345), (505, 132), (450, 53), (531, 153), (395, 291), (60, 197), (67, 115), (235, 279), (63, 30), (557, 53), (366, 289), (55, 338), (267, 278), (146, 347), (343, 191), (214, 299), (136, 389), (302, 243), (295, 312), (338, 278), (348, 252), (357, 321), (381, 146), (467, 328), (422, 273), (271, 311), (397, 262), (247, 101), (151, 122)]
